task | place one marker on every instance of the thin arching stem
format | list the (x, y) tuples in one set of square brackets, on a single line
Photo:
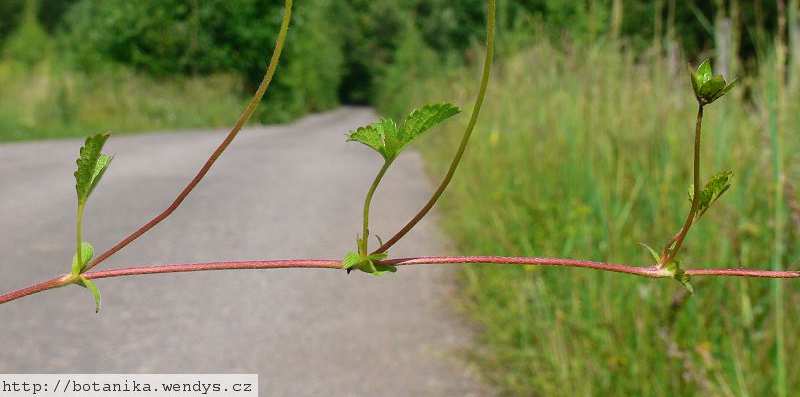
[(672, 248), (245, 116), (364, 241), (487, 66), (333, 264), (79, 232)]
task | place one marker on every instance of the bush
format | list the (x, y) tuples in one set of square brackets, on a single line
[(29, 43), (171, 37), (10, 10)]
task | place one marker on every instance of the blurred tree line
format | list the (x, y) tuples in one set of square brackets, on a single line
[(340, 50)]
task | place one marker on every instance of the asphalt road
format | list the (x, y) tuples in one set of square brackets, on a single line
[(289, 191)]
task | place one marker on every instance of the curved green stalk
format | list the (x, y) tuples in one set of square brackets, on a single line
[(487, 66), (243, 118), (79, 232), (363, 241), (672, 248)]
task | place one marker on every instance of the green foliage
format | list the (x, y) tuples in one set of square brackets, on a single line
[(92, 164), (87, 252), (389, 139), (11, 11), (707, 86), (412, 60), (51, 13), (380, 136), (369, 40), (425, 118), (652, 252), (352, 58), (312, 67), (173, 37), (386, 138), (568, 161), (56, 101), (714, 189), (92, 287), (366, 263), (674, 269), (29, 43)]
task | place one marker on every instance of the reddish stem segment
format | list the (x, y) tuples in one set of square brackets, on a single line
[(529, 261), (33, 289), (651, 272), (202, 267)]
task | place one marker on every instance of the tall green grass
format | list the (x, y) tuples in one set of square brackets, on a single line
[(584, 153), (49, 100)]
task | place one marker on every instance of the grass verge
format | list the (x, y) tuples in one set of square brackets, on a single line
[(585, 153), (52, 101)]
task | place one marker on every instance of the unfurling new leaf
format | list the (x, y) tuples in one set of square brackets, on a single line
[(92, 287), (708, 87), (389, 139), (92, 164), (366, 263), (714, 189), (652, 252), (380, 136), (674, 269), (425, 118), (87, 252)]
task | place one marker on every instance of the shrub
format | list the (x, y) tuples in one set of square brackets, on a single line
[(170, 37)]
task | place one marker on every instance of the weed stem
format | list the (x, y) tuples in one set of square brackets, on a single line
[(672, 248), (364, 240)]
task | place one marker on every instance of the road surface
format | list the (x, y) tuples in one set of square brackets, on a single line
[(289, 191)]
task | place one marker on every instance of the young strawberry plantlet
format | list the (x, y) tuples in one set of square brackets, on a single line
[(707, 88), (92, 164), (389, 139)]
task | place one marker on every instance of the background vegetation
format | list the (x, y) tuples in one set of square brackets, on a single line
[(58, 56), (582, 151), (596, 161)]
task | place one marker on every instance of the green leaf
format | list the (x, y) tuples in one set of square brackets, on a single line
[(714, 189), (386, 138), (707, 87), (366, 263), (92, 164), (351, 259), (674, 268), (375, 136), (102, 165), (87, 252), (91, 286), (423, 119), (695, 82), (725, 90), (704, 72), (712, 87), (652, 252)]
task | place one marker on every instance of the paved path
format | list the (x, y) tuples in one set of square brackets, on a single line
[(290, 191)]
